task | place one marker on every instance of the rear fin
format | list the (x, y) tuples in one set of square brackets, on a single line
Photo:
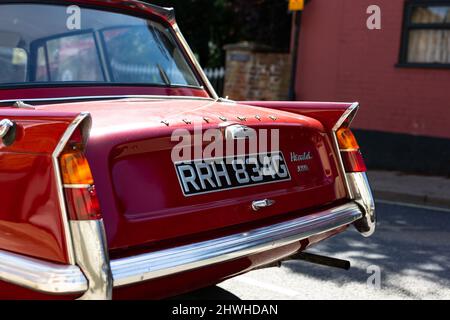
[(78, 183), (351, 155), (330, 114), (336, 119)]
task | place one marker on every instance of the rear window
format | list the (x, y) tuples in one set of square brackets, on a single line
[(53, 44)]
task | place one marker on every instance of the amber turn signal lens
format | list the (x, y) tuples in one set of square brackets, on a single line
[(346, 139), (75, 169)]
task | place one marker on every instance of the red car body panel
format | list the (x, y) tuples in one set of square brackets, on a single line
[(130, 134), (122, 131), (30, 219)]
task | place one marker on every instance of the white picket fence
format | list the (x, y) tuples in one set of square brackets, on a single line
[(216, 76)]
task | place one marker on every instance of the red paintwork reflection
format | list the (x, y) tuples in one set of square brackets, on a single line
[(30, 218)]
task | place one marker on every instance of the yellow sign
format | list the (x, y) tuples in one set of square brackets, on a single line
[(296, 5)]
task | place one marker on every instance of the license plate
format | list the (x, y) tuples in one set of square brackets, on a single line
[(219, 174)]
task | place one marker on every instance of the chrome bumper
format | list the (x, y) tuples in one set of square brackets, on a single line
[(52, 278), (40, 275), (362, 195), (162, 263)]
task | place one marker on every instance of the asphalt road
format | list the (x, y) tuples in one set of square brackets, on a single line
[(411, 251)]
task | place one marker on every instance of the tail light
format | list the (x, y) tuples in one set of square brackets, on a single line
[(355, 172), (81, 197), (351, 154)]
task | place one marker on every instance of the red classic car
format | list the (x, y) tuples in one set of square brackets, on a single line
[(124, 175)]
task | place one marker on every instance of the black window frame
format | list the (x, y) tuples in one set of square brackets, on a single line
[(408, 25)]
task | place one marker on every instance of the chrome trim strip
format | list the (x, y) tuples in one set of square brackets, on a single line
[(62, 204), (41, 275), (77, 186), (336, 127), (195, 62), (92, 256), (166, 262), (108, 97), (345, 115)]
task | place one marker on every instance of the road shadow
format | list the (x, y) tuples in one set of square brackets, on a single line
[(410, 243), (209, 293)]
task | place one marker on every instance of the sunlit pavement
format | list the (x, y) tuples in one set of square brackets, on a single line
[(411, 248)]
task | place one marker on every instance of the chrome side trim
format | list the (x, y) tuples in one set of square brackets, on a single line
[(166, 262), (62, 204), (336, 127), (363, 196), (345, 115), (92, 256), (107, 97), (40, 275), (77, 186), (194, 60)]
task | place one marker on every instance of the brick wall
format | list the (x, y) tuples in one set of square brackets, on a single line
[(341, 60), (255, 73)]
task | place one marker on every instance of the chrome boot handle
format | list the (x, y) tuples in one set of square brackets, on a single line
[(261, 204), (5, 126)]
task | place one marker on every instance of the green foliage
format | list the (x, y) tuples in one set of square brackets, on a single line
[(208, 25)]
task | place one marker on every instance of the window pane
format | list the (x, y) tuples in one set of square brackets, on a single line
[(13, 64), (74, 58), (431, 14), (429, 46), (155, 57)]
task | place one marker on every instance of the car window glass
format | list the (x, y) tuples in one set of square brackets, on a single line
[(154, 58), (13, 64), (74, 58), (39, 45)]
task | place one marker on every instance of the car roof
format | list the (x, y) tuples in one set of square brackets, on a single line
[(133, 6)]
